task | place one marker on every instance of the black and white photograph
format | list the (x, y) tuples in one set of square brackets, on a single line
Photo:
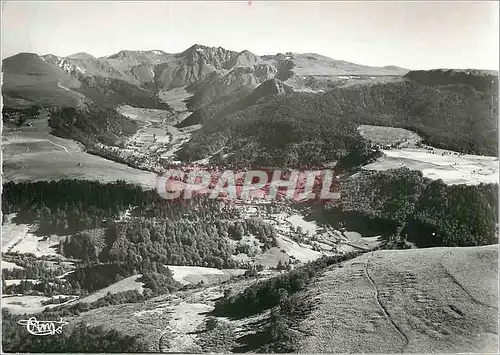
[(249, 177)]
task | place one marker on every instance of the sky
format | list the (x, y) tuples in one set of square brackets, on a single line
[(413, 35)]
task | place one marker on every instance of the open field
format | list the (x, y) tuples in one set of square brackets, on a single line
[(441, 164), (32, 153), (271, 257), (299, 251), (17, 238), (39, 246), (24, 304), (175, 98), (127, 284), (354, 238), (187, 275), (13, 233), (28, 304), (18, 281), (452, 167), (9, 266), (388, 135), (297, 221), (419, 300)]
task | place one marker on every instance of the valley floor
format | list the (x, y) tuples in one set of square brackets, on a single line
[(32, 153), (403, 148)]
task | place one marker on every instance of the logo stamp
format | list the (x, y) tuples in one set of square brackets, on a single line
[(44, 327)]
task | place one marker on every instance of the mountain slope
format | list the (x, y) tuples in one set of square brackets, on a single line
[(426, 300), (28, 77), (91, 124), (296, 128), (211, 72), (239, 99), (69, 82)]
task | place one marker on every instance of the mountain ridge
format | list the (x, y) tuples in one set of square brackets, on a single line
[(156, 71), (219, 82)]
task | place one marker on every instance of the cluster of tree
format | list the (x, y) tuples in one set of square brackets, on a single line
[(280, 338), (280, 334), (201, 242), (31, 268), (263, 231), (85, 245), (196, 233), (205, 106), (159, 283), (45, 286), (74, 338), (95, 277), (145, 242), (217, 336), (88, 278), (455, 117), (457, 215), (70, 206), (85, 279), (19, 115), (111, 299), (253, 270), (270, 293), (67, 206), (404, 204)]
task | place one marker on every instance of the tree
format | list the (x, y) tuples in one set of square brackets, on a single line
[(228, 293), (211, 323)]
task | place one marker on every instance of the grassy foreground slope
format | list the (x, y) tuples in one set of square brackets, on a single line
[(432, 300)]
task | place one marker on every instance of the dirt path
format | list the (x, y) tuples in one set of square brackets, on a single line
[(462, 287), (382, 306), (186, 315), (58, 145)]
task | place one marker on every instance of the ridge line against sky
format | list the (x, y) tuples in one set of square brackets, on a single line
[(412, 35)]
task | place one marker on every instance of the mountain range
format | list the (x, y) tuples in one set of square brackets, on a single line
[(149, 72), (217, 83)]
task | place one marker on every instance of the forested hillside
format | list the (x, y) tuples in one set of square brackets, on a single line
[(300, 128), (94, 123), (427, 213), (292, 130), (481, 80), (199, 232)]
